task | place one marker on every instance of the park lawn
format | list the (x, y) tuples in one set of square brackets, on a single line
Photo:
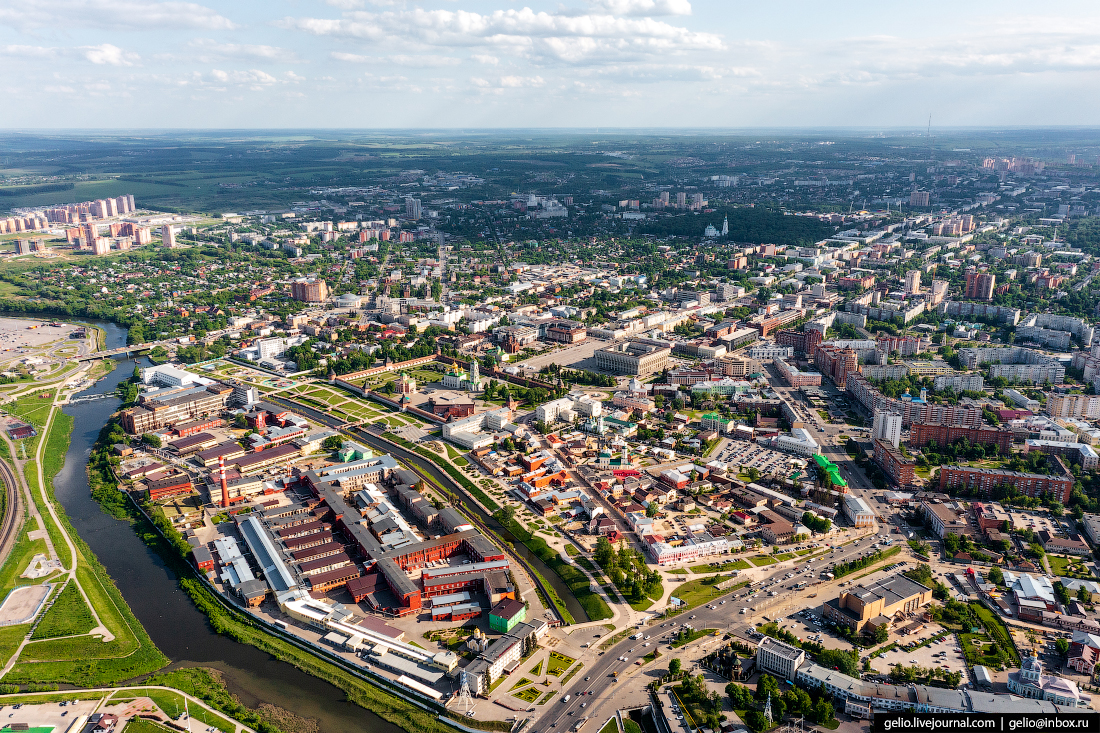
[(546, 698), (1069, 567), (68, 616), (702, 590), (537, 669), (523, 681), (761, 560), (141, 725), (737, 564), (610, 726), (18, 560), (558, 663), (531, 694), (696, 634), (172, 703), (32, 408)]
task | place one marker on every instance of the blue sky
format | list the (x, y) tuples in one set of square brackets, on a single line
[(577, 63)]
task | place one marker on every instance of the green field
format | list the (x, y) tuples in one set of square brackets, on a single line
[(82, 660), (761, 560), (1069, 567), (697, 592), (68, 616), (558, 663), (172, 703), (737, 564), (531, 694)]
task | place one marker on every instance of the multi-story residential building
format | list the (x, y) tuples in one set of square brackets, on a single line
[(912, 411), (1010, 316), (309, 290), (1072, 405), (1080, 453), (960, 382), (930, 368), (1015, 364), (771, 351), (836, 362), (778, 658), (920, 434), (796, 378), (1050, 322), (897, 467), (980, 285), (984, 480), (640, 357), (912, 282), (805, 341), (939, 292), (887, 427)]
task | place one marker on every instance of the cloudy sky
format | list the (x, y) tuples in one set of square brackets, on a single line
[(576, 63)]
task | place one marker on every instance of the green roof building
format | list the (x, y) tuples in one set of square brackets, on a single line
[(506, 614)]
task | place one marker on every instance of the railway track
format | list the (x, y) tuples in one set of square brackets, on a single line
[(13, 513)]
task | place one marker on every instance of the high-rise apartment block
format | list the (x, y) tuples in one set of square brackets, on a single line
[(168, 236), (912, 281), (887, 427), (979, 285), (412, 208), (919, 198), (939, 291), (309, 290)]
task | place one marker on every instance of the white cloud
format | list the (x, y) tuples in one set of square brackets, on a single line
[(539, 36), (423, 61), (108, 54), (217, 50), (112, 14), (103, 54), (643, 7), (484, 58)]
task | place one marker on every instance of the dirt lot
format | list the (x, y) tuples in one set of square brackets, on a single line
[(22, 603)]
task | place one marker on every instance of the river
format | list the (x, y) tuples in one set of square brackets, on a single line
[(175, 625)]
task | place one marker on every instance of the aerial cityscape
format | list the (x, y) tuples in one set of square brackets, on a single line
[(621, 366)]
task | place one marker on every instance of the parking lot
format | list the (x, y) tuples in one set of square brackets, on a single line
[(940, 654), (765, 460), (1037, 521)]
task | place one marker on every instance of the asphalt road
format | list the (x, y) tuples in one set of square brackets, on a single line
[(725, 617)]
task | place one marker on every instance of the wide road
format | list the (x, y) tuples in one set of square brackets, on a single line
[(727, 616)]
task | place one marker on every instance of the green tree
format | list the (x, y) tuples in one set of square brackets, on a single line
[(332, 442), (240, 421), (1062, 646), (153, 440), (1083, 595), (766, 686), (674, 666), (651, 509), (881, 634), (995, 576)]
